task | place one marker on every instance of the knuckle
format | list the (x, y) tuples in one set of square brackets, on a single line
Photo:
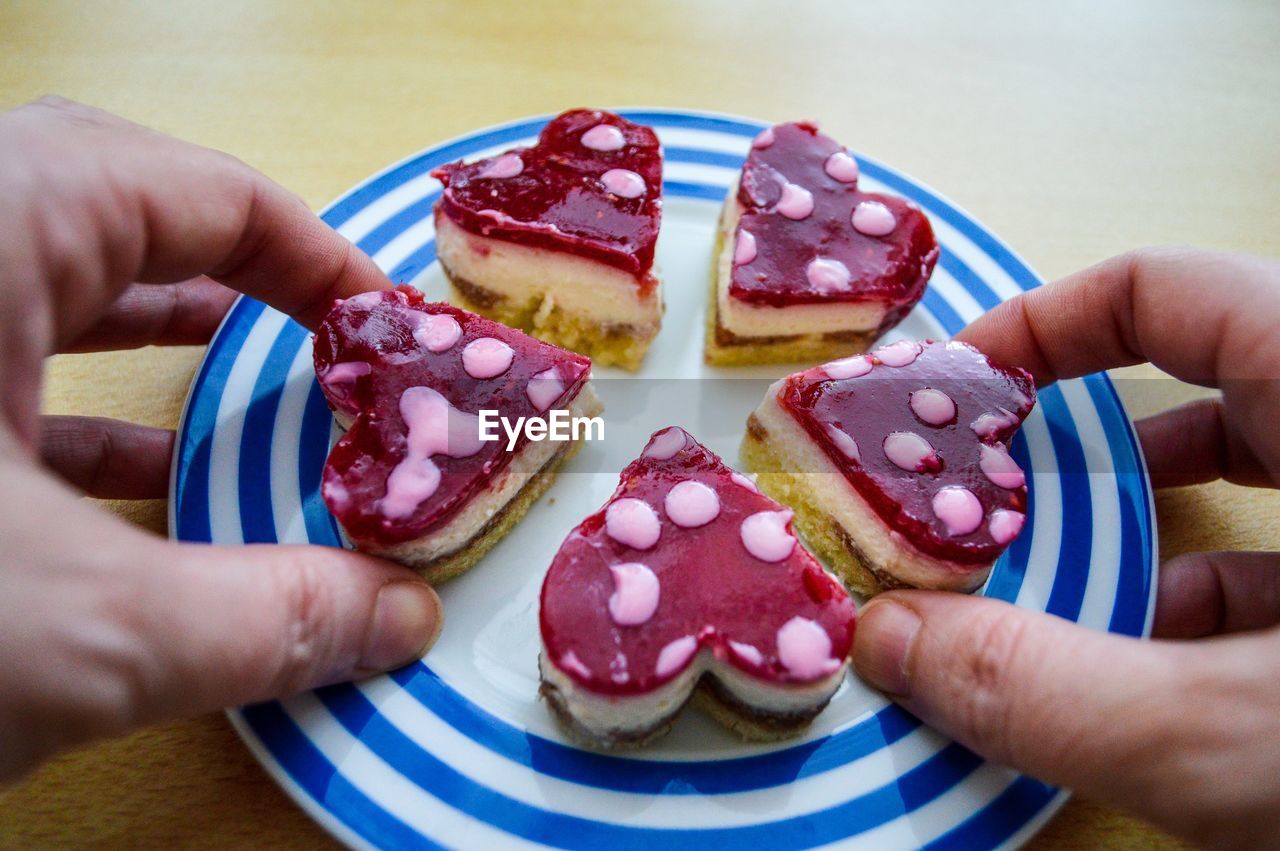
[(102, 451), (307, 606), (120, 677), (236, 178), (1141, 258), (984, 698), (57, 103), (117, 695), (74, 111), (174, 302)]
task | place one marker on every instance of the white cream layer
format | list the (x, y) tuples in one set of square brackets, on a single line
[(885, 548), (605, 716), (744, 319), (596, 291), (459, 530)]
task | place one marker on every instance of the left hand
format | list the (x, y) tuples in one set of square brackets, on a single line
[(115, 236)]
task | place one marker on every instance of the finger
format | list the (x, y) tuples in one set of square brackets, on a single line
[(108, 458), (1194, 443), (180, 314), (114, 203), (1202, 594), (1135, 308), (233, 625), (1129, 722), (1201, 316), (93, 203), (107, 628), (999, 679)]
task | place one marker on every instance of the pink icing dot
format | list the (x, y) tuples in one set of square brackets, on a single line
[(842, 167), (796, 202), (1002, 470), (437, 332), (623, 183), (827, 275), (341, 373), (901, 353), (988, 425), (804, 649), (852, 367), (933, 406), (603, 137), (507, 165), (873, 219), (570, 662), (745, 482), (487, 357), (763, 139), (765, 535), (632, 522), (744, 249), (691, 504), (619, 668), (665, 444), (748, 653), (958, 509), (846, 444), (675, 655), (1005, 525), (909, 451), (336, 493), (545, 388), (435, 426), (635, 594)]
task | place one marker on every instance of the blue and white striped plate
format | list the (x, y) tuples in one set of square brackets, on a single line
[(456, 750)]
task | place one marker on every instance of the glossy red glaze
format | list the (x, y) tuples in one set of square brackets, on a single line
[(893, 268), (377, 329), (559, 201), (870, 407), (711, 587)]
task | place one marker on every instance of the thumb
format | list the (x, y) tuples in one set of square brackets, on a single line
[(223, 626), (1128, 721)]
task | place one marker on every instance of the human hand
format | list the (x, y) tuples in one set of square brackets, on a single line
[(1182, 733), (110, 231)]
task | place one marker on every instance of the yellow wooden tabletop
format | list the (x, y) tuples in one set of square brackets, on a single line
[(1075, 132)]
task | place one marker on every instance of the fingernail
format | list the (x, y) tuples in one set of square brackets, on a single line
[(882, 646), (406, 620)]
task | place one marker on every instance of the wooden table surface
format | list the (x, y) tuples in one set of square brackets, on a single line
[(1076, 132)]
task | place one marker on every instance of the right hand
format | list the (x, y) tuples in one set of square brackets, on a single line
[(1183, 732)]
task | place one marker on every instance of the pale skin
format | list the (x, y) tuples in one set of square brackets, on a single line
[(119, 237), (1182, 730)]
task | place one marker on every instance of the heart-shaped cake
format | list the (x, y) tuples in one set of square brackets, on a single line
[(558, 238), (412, 479), (689, 579), (809, 266), (897, 462)]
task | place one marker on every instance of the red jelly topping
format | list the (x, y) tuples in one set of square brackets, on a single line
[(582, 190), (798, 213), (937, 421), (373, 348), (688, 555)]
